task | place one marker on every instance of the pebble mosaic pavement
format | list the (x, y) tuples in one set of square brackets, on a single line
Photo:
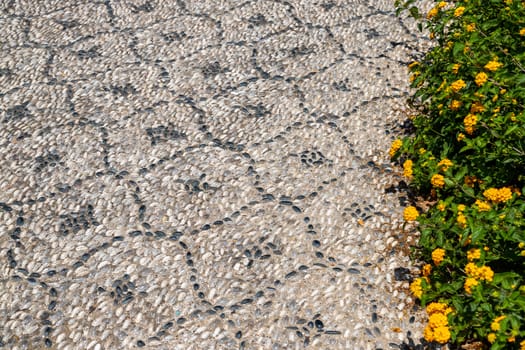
[(203, 174)]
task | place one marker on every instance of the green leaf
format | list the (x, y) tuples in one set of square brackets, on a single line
[(458, 48)]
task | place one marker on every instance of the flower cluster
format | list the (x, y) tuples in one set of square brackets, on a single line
[(437, 180), (477, 107), (473, 254), (483, 273), (459, 11), (482, 205), (461, 219), (416, 288), (396, 145), (469, 283), (498, 195), (481, 78), (410, 213), (438, 255), (437, 329), (458, 85), (445, 163), (407, 168), (493, 65), (455, 105), (470, 122)]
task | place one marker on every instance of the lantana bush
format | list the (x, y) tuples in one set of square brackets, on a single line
[(467, 157)]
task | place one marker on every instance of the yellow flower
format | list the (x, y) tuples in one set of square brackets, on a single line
[(441, 334), (477, 107), (471, 27), (438, 255), (461, 220), (445, 164), (482, 205), (437, 180), (437, 320), (503, 91), (471, 270), (437, 308), (493, 65), (455, 104), (442, 4), (491, 337), (481, 78), (522, 344), (455, 68), (498, 195), (441, 206), (522, 33), (470, 122), (495, 326), (511, 339), (459, 11), (407, 168), (396, 145), (432, 13), (460, 137), (486, 273), (473, 254), (428, 334), (415, 288), (410, 213), (521, 245), (414, 76), (457, 85), (426, 270), (422, 151), (469, 283), (413, 64)]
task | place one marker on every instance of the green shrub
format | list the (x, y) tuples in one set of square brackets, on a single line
[(467, 155)]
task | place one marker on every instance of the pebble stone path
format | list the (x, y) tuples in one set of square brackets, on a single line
[(203, 174)]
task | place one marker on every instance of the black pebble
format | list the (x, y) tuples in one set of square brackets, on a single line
[(316, 243), (52, 305), (48, 342), (311, 324), (290, 275), (140, 343), (402, 274), (319, 324), (181, 320), (53, 292), (238, 335)]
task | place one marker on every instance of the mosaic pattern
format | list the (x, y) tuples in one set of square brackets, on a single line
[(202, 175)]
